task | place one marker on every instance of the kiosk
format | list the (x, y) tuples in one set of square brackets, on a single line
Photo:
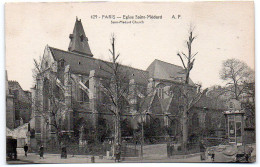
[(235, 122)]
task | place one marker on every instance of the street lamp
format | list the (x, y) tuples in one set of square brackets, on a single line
[(142, 131)]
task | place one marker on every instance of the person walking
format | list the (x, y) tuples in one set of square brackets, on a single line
[(25, 149), (202, 151), (213, 155), (41, 152), (64, 152), (117, 153)]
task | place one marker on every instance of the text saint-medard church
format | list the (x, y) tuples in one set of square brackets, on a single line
[(70, 82)]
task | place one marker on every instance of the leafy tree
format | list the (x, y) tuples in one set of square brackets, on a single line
[(236, 73)]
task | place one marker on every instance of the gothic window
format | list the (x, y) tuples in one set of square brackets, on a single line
[(83, 96), (160, 90), (46, 94)]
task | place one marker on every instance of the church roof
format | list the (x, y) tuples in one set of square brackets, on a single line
[(166, 71), (78, 40), (82, 64), (146, 103), (211, 103)]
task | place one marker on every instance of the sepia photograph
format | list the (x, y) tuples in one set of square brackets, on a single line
[(130, 82)]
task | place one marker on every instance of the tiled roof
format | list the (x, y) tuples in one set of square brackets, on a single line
[(82, 64), (166, 71)]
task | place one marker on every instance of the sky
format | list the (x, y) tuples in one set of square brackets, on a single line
[(224, 30)]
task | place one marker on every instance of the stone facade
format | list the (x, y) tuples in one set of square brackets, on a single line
[(78, 81)]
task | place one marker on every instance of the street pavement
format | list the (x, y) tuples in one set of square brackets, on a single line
[(55, 158), (33, 158)]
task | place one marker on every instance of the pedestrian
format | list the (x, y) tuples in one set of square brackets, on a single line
[(25, 149), (64, 152), (212, 155), (202, 151), (117, 153), (41, 152)]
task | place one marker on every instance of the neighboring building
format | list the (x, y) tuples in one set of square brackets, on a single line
[(18, 113), (18, 105), (10, 111), (76, 78)]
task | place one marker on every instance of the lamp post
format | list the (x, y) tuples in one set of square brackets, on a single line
[(142, 134)]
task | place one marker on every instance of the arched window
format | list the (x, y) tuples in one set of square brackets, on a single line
[(160, 90), (83, 96), (46, 87)]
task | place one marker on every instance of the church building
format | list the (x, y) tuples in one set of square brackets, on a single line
[(71, 80)]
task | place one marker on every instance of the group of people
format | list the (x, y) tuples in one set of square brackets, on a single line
[(41, 151)]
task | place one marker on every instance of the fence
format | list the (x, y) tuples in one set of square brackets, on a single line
[(75, 149)]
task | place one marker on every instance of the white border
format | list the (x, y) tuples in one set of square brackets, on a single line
[(2, 89)]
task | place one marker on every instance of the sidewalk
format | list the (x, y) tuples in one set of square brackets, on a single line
[(55, 158)]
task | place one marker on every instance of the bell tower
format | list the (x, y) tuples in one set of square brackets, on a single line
[(79, 41)]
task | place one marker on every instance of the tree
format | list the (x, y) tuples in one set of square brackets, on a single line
[(249, 104), (119, 95), (189, 57), (116, 89), (189, 95), (236, 73)]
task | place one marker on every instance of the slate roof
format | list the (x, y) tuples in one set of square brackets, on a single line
[(79, 41), (145, 103), (82, 64), (166, 71)]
